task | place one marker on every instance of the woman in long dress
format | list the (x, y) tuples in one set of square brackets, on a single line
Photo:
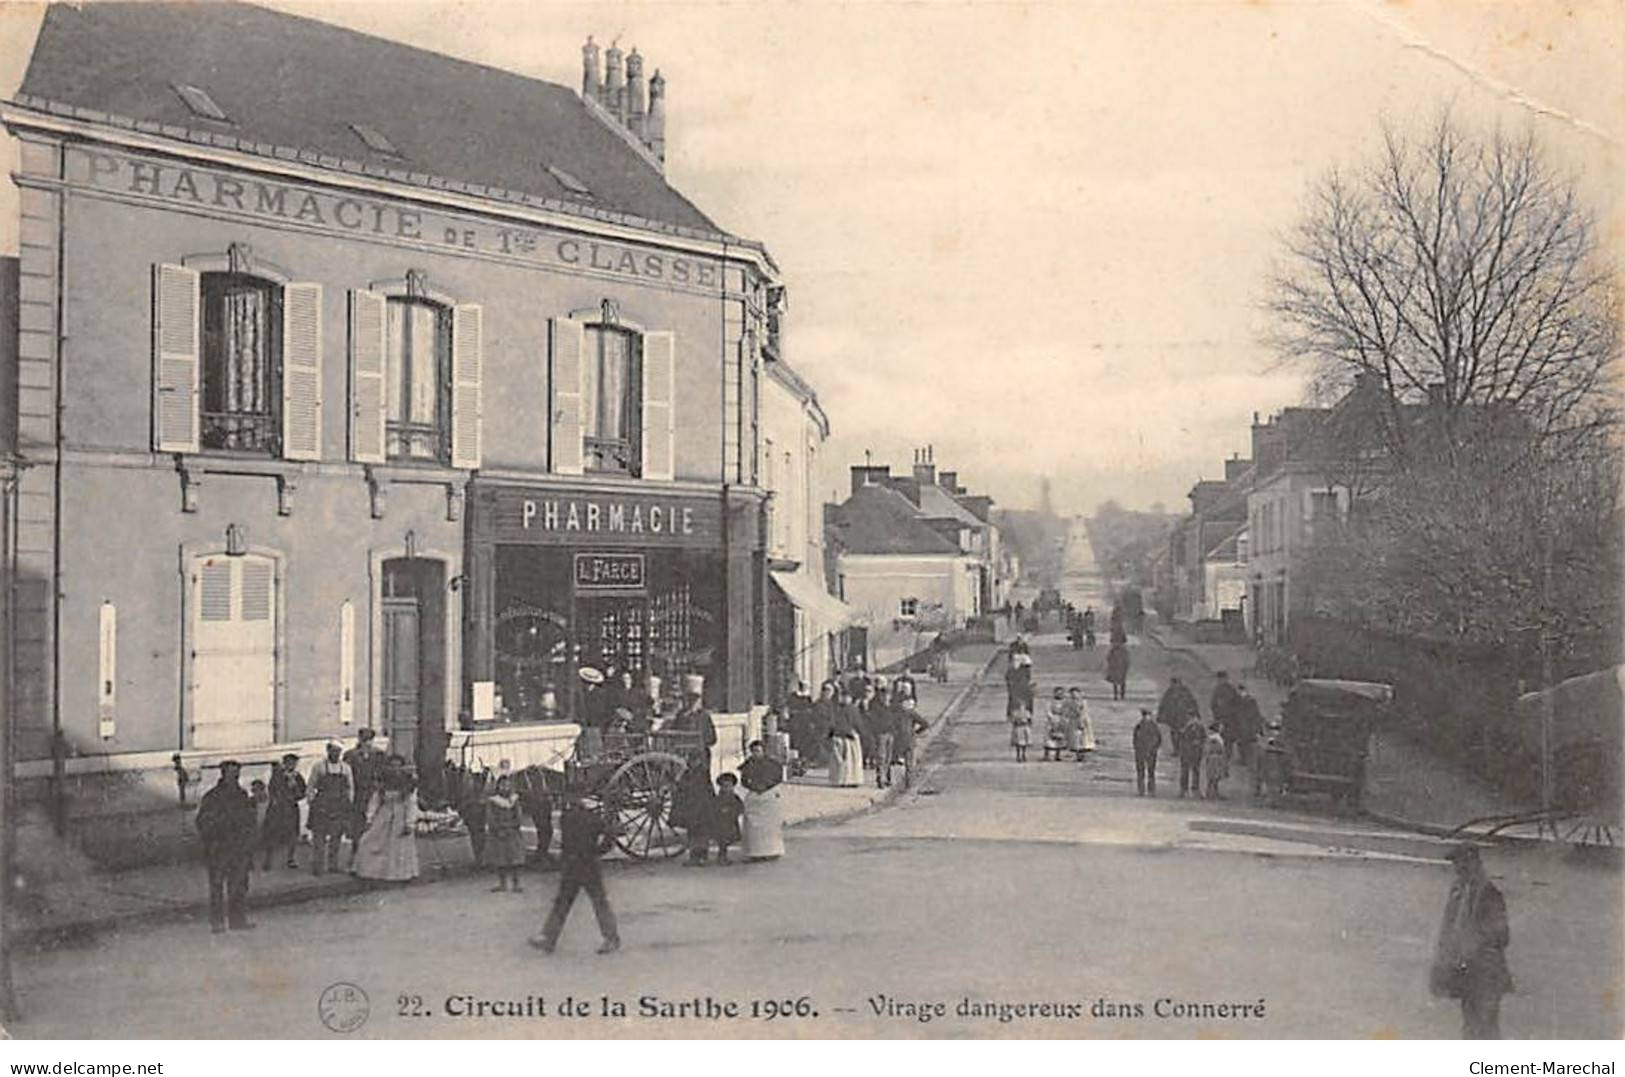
[(845, 743), (504, 843), (1082, 739), (388, 850), (764, 814)]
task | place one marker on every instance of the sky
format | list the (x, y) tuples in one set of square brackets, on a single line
[(1036, 236)]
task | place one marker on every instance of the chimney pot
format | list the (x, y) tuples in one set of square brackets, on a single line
[(614, 86), (635, 107), (654, 125), (590, 84)]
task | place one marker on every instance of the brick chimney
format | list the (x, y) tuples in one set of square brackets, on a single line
[(1235, 467), (949, 481), (614, 98), (590, 86), (635, 107), (925, 470), (654, 125)]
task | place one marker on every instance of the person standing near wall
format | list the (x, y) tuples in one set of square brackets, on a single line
[(1469, 961), (227, 824)]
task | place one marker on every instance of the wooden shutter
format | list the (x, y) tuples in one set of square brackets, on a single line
[(346, 662), (567, 428), (368, 398), (176, 356), (234, 653), (659, 404), (107, 671), (467, 347), (302, 371)]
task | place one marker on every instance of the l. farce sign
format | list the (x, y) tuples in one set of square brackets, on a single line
[(378, 218)]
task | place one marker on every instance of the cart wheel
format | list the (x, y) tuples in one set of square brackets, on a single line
[(638, 796)]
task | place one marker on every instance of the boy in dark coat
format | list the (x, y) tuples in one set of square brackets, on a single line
[(729, 809), (228, 825), (582, 840), (1147, 742), (1192, 743)]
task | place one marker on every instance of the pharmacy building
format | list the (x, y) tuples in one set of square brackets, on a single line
[(359, 386)]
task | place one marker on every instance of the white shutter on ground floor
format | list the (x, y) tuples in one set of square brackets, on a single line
[(176, 356), (233, 626)]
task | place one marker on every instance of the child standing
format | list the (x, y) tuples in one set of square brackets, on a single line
[(504, 844), (728, 812), (261, 799), (1021, 731), (1215, 762)]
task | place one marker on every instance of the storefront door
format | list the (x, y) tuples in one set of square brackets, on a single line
[(411, 655)]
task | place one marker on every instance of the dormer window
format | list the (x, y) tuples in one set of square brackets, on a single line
[(201, 104), (375, 139)]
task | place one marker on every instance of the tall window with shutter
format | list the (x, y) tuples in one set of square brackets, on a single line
[(610, 383), (237, 364), (613, 397), (233, 618)]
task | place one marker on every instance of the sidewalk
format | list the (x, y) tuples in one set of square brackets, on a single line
[(76, 905), (1406, 785)]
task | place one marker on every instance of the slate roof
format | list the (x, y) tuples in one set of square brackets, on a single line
[(877, 520), (292, 86), (937, 504)]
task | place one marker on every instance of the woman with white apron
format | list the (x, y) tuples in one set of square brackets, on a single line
[(846, 746), (1085, 737), (764, 813)]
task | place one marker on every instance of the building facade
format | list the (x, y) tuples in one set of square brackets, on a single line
[(327, 421)]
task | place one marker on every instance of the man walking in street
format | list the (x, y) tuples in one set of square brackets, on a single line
[(1469, 962), (1250, 721), (1147, 741), (583, 839), (1191, 743), (226, 821), (1117, 664)]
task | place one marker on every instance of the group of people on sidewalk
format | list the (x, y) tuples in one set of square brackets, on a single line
[(364, 795), (1068, 727), (857, 723), (1204, 751)]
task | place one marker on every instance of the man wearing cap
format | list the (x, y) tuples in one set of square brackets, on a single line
[(1147, 742), (366, 763), (583, 839), (332, 791), (1470, 962), (692, 717), (227, 824)]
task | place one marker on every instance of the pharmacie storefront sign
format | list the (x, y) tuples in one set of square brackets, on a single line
[(610, 572), (601, 519)]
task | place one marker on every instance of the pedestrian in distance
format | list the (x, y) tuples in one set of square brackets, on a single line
[(907, 724), (764, 813), (261, 799), (280, 828), (366, 762), (1058, 726), (845, 743), (331, 794), (1147, 742), (1250, 724), (1117, 665), (1192, 745), (1469, 961), (694, 809), (1215, 762), (583, 838), (387, 850), (1081, 738), (878, 720), (729, 810), (1021, 732), (226, 824), (1225, 707), (504, 841)]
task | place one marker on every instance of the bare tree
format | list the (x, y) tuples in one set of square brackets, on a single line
[(1455, 269)]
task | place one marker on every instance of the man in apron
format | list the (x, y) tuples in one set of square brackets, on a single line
[(332, 793)]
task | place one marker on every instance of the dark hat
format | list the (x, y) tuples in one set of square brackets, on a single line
[(290, 755), (729, 778), (224, 763), (1465, 853), (366, 733)]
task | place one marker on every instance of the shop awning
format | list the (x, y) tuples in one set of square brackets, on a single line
[(830, 611)]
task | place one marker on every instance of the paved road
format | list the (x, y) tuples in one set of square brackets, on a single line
[(1043, 885)]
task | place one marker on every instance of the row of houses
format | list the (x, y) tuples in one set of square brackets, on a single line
[(914, 555), (1237, 560), (387, 402)]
